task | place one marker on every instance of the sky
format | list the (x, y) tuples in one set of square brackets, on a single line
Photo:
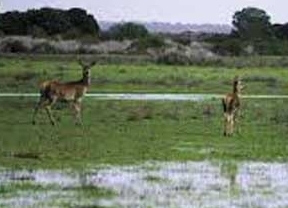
[(182, 11)]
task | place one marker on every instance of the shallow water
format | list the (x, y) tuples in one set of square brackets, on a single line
[(157, 184), (153, 96), (132, 96)]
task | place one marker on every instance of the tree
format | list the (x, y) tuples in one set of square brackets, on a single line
[(128, 30), (281, 31), (50, 21), (85, 23), (13, 23), (252, 24)]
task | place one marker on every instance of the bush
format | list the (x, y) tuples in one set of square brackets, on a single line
[(235, 46), (14, 46), (272, 47), (151, 41), (128, 30), (44, 47), (37, 31), (195, 53), (174, 57)]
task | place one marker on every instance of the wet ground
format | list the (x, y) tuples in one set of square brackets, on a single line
[(152, 184), (153, 96)]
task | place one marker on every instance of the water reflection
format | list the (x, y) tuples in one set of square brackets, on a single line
[(158, 184)]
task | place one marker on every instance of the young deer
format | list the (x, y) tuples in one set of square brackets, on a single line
[(231, 106), (73, 92)]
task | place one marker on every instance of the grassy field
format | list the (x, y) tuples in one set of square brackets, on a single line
[(135, 132), (121, 132), (24, 75), (127, 132)]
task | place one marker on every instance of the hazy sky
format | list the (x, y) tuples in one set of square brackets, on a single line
[(184, 11)]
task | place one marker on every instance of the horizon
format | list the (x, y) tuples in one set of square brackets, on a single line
[(184, 12)]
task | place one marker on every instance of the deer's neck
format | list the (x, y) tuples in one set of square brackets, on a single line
[(86, 80), (235, 90)]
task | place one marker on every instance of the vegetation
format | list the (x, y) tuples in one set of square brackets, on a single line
[(253, 34), (252, 24), (127, 30), (44, 22), (24, 75), (121, 132), (129, 132), (150, 41), (133, 131)]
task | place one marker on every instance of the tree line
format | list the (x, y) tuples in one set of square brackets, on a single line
[(49, 22), (253, 32)]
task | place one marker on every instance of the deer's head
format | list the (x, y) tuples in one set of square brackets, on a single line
[(86, 69), (237, 84)]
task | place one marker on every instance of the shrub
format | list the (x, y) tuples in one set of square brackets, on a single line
[(127, 30), (195, 53), (14, 46), (43, 47), (173, 57), (151, 41)]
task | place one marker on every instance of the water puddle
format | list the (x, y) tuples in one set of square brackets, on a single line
[(133, 96), (153, 184), (154, 96)]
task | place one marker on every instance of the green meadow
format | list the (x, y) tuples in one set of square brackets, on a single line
[(120, 133), (25, 74), (129, 132)]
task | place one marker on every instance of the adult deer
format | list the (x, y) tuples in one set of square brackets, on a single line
[(52, 91), (231, 106)]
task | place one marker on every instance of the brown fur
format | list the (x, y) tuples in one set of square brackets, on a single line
[(231, 106), (52, 91)]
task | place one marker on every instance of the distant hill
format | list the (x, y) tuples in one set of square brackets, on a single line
[(164, 27)]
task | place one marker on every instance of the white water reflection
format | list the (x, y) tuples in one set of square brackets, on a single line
[(166, 184), (154, 96)]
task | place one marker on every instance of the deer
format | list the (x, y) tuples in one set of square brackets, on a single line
[(231, 106), (52, 91)]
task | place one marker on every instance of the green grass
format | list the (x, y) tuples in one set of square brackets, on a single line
[(122, 132), (129, 132), (126, 132), (24, 75), (12, 188)]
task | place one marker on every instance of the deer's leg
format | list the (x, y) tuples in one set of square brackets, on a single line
[(226, 124), (236, 121), (232, 122), (53, 100), (77, 112), (49, 113)]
